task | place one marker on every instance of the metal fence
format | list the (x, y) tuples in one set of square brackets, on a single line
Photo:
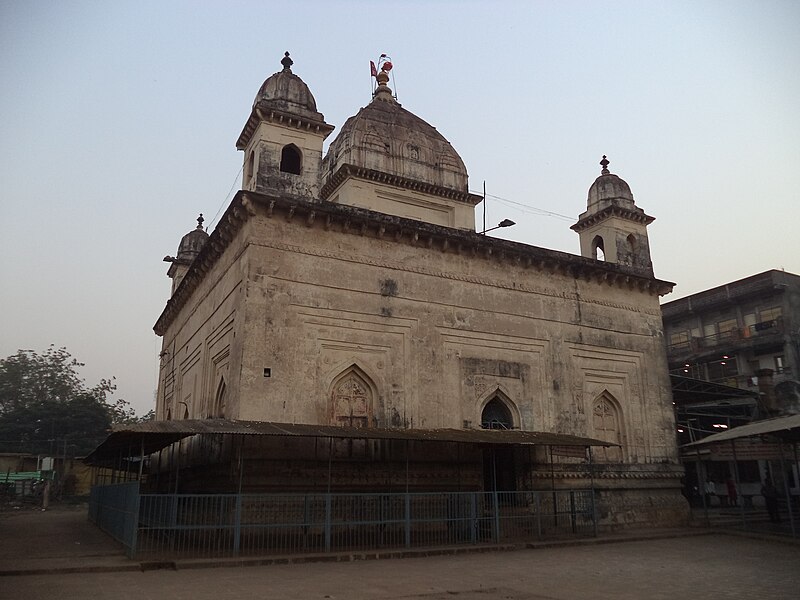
[(205, 525), (115, 510)]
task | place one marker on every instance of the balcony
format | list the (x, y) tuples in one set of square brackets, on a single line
[(733, 339)]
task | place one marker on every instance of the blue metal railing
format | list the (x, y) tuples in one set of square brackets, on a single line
[(115, 510), (248, 524)]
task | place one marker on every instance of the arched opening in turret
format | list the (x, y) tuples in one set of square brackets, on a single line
[(250, 167), (598, 252), (291, 160), (631, 240)]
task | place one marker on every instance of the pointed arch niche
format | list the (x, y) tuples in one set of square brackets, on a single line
[(607, 426), (352, 398), (218, 408), (499, 412)]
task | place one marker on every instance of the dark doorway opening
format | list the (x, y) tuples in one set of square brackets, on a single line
[(499, 472)]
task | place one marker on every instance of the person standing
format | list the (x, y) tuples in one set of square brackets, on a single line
[(770, 494), (710, 490), (732, 495)]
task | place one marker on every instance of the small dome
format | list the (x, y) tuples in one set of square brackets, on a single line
[(609, 189), (286, 92), (192, 243), (386, 137)]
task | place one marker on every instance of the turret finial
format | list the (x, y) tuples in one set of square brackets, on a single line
[(200, 220), (604, 163), (287, 62)]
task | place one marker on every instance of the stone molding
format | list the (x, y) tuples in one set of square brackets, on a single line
[(612, 211), (358, 221), (270, 115), (348, 171)]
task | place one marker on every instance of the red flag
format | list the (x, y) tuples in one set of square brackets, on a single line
[(372, 70)]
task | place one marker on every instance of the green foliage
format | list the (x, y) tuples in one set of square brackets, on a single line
[(46, 407)]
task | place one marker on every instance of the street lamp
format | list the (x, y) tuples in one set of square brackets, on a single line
[(503, 223)]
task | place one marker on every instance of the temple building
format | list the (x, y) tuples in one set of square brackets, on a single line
[(350, 288)]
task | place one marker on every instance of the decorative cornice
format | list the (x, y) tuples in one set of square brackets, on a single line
[(637, 216), (263, 112), (346, 171), (351, 220)]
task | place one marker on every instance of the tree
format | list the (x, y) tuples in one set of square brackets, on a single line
[(45, 407)]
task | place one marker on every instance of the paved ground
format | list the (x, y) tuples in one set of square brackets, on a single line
[(713, 566)]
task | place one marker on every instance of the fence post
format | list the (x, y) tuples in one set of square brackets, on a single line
[(572, 511), (496, 503), (135, 519), (237, 525), (473, 515), (537, 500), (408, 519), (327, 522)]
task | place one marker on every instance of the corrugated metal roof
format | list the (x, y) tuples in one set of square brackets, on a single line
[(152, 436), (686, 390), (785, 428)]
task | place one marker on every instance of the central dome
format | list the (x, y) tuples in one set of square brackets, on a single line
[(385, 137)]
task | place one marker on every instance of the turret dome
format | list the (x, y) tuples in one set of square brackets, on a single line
[(192, 243), (285, 91), (609, 189)]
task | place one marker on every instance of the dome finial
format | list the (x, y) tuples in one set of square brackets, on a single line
[(200, 220), (287, 62), (604, 163), (382, 91)]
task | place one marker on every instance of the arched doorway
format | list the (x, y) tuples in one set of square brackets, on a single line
[(499, 470)]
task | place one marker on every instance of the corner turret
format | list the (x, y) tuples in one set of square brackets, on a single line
[(191, 245), (613, 228), (282, 139)]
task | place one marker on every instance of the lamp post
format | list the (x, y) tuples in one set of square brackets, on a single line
[(503, 223)]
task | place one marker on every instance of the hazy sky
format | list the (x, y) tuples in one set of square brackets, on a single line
[(118, 123)]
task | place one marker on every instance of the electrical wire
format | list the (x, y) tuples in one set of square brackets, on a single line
[(226, 200), (526, 207)]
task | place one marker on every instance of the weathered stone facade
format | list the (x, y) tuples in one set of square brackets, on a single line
[(301, 309)]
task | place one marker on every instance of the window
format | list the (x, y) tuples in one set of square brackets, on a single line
[(769, 314), (598, 253), (496, 415), (291, 160), (726, 329), (780, 364), (679, 337)]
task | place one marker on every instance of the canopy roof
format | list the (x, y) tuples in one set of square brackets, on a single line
[(688, 390), (785, 429), (147, 438)]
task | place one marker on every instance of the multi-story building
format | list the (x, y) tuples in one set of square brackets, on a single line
[(738, 332), (744, 334)]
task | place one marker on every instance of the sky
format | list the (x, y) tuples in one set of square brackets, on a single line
[(118, 123)]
